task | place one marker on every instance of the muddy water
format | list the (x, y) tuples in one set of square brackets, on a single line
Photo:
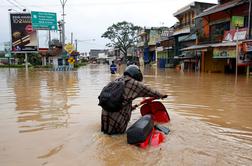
[(52, 118)]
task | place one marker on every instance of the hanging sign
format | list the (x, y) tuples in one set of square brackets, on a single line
[(237, 21)]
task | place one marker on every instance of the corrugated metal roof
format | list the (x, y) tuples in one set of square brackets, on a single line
[(203, 46), (196, 47), (222, 7)]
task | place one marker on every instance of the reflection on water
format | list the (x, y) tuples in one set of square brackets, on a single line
[(52, 152), (57, 113), (41, 98)]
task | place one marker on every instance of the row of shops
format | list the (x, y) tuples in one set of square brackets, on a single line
[(207, 38)]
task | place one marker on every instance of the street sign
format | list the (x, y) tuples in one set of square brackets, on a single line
[(7, 49), (71, 60), (44, 20), (69, 48)]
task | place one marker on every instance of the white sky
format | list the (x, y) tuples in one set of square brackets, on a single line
[(90, 19)]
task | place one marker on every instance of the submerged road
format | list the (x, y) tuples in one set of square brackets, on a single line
[(52, 118)]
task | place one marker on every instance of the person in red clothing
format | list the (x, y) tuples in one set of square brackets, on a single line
[(116, 122)]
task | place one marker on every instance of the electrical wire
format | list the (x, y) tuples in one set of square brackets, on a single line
[(15, 5), (20, 5)]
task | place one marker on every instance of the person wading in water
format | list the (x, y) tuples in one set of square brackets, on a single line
[(116, 122)]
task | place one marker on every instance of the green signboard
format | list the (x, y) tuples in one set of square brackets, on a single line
[(237, 21), (44, 20), (224, 52)]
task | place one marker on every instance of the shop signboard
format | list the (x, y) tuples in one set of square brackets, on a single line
[(247, 46), (24, 38), (232, 35), (224, 52), (44, 20), (154, 37), (237, 21), (245, 54)]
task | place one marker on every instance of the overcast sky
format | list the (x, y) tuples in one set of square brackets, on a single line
[(88, 20)]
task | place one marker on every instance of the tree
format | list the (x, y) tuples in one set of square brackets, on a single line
[(122, 35)]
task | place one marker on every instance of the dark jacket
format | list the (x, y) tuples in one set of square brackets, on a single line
[(116, 122)]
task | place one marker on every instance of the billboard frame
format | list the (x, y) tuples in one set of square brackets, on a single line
[(11, 33)]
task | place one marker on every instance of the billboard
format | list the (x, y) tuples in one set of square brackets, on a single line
[(44, 20), (24, 38)]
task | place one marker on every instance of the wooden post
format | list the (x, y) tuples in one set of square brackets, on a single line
[(202, 61)]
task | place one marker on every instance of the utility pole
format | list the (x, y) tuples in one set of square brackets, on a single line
[(71, 37), (76, 44), (63, 3), (237, 53)]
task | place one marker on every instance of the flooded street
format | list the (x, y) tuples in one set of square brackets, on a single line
[(52, 118)]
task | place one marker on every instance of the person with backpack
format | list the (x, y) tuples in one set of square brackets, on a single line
[(116, 100)]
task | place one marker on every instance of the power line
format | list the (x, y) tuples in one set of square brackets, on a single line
[(10, 2), (21, 5)]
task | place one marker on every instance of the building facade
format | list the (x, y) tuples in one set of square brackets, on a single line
[(223, 37)]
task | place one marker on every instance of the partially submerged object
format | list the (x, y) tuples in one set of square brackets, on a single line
[(156, 109), (143, 132), (140, 130)]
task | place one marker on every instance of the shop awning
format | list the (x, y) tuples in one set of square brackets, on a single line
[(196, 47), (224, 44), (204, 46), (219, 8)]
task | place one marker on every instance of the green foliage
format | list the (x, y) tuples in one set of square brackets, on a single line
[(33, 58), (77, 65), (122, 35)]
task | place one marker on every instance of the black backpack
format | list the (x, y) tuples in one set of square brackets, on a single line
[(111, 96)]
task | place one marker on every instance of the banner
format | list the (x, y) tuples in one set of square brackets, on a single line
[(24, 38)]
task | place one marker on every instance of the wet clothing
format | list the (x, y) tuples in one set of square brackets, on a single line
[(113, 68), (116, 122)]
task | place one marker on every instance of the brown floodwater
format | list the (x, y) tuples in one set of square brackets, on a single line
[(52, 118)]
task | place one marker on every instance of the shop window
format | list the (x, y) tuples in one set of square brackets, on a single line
[(245, 21), (217, 31)]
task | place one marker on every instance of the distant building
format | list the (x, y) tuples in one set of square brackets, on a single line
[(185, 32), (94, 53), (146, 45), (216, 37)]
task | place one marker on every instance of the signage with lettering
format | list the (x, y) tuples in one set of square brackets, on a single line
[(232, 35), (224, 52), (24, 38), (44, 20)]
